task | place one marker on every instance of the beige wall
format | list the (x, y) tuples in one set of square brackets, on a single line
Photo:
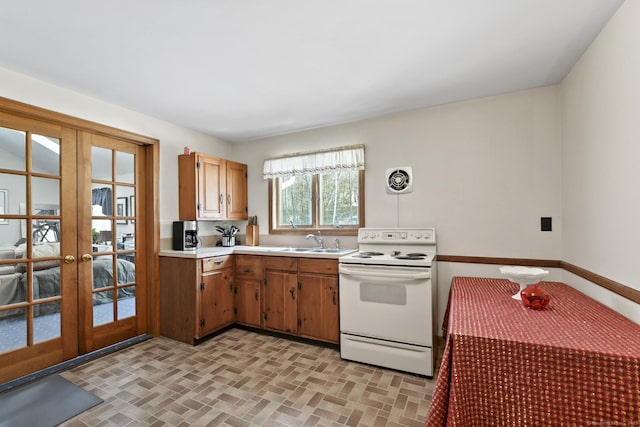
[(601, 151), (485, 171)]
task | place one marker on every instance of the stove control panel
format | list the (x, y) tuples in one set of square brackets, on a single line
[(397, 235)]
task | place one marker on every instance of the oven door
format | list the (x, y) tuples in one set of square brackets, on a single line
[(384, 302)]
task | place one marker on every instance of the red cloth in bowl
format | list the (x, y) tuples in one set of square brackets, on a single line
[(535, 298)]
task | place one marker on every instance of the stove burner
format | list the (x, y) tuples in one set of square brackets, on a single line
[(362, 256), (370, 254), (416, 254), (413, 258)]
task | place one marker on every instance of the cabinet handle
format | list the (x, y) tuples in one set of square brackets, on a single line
[(248, 270), (293, 292), (334, 298), (229, 199), (221, 199), (218, 261), (257, 295)]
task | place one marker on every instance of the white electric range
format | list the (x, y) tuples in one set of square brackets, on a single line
[(387, 299)]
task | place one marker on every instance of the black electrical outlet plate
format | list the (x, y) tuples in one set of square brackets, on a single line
[(545, 223)]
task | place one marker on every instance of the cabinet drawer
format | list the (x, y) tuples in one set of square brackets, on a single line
[(281, 263), (322, 266), (217, 263), (249, 267)]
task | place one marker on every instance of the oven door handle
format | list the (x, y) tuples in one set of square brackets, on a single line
[(396, 275)]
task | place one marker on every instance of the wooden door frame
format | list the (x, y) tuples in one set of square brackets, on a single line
[(152, 179)]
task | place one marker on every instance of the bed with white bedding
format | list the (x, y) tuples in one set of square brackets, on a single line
[(46, 280)]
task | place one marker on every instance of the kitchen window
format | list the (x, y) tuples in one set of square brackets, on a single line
[(317, 191)]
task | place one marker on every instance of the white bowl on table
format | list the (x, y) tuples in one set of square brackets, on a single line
[(523, 276)]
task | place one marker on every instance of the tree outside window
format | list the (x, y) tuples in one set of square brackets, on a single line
[(329, 201)]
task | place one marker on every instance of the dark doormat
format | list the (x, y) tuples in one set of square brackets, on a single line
[(44, 403)]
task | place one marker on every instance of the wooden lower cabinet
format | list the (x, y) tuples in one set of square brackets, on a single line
[(301, 297), (196, 296), (298, 296), (318, 308), (248, 297), (318, 299), (280, 302), (216, 301), (249, 278)]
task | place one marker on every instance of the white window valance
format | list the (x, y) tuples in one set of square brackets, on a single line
[(334, 159)]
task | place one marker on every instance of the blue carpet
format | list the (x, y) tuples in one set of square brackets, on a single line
[(13, 330), (46, 402)]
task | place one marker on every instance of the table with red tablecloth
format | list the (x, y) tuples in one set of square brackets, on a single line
[(574, 363)]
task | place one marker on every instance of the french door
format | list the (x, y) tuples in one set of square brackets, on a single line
[(112, 303), (71, 230)]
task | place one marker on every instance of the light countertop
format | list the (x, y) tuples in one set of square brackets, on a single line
[(208, 252)]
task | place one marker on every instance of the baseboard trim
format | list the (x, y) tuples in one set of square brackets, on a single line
[(611, 285), (549, 263), (289, 337)]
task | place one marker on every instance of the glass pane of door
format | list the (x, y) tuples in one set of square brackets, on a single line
[(111, 284), (45, 154), (31, 291), (113, 218)]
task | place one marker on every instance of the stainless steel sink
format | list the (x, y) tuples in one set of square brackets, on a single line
[(317, 251)]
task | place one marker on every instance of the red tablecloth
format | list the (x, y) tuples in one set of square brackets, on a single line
[(575, 363)]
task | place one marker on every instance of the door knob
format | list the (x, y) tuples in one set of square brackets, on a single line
[(69, 259), (87, 257)]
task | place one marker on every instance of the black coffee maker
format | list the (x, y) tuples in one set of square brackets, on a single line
[(185, 235)]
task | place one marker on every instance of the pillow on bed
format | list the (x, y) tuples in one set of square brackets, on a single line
[(7, 253), (21, 249), (7, 269), (40, 265), (46, 250)]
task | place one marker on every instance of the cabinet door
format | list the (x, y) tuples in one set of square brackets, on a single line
[(248, 302), (225, 301), (211, 187), (318, 307), (216, 301), (280, 301), (236, 190)]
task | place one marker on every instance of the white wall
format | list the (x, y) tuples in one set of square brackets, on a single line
[(485, 171), (172, 138), (601, 152)]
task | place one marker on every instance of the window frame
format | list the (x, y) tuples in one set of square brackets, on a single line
[(346, 230)]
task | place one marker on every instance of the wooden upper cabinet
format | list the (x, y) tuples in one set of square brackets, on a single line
[(211, 188), (212, 178), (236, 190)]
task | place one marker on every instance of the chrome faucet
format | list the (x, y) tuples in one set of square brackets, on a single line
[(318, 238)]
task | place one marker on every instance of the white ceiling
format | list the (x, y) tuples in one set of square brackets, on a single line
[(247, 69)]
